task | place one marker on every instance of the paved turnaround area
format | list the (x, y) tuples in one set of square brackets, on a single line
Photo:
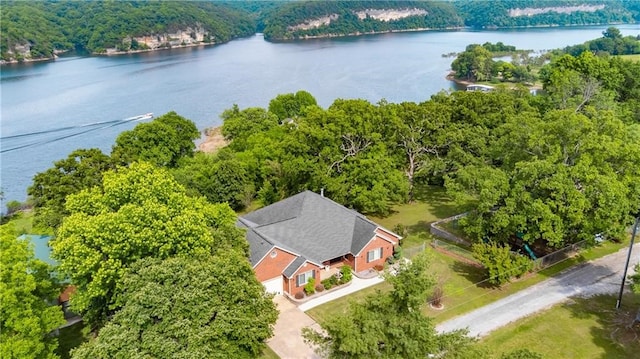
[(602, 275)]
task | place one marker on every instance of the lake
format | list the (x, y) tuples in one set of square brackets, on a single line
[(89, 96)]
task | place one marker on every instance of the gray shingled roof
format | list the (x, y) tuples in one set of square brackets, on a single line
[(308, 225), (293, 267)]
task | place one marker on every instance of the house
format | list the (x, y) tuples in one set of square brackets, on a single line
[(309, 236)]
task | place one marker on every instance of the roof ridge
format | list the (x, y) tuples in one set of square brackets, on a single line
[(356, 213)]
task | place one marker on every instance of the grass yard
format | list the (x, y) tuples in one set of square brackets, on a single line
[(22, 222), (461, 291), (634, 58), (267, 353), (581, 328)]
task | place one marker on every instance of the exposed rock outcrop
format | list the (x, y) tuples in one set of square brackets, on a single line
[(530, 11), (186, 37), (314, 23), (391, 14)]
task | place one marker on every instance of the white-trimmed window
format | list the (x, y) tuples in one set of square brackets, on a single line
[(374, 255), (303, 278)]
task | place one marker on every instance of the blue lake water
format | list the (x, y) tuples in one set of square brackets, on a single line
[(200, 83)]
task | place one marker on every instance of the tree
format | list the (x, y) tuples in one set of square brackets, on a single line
[(238, 125), (422, 135), (219, 178), (27, 290), (138, 212), (474, 64), (390, 325), (82, 169), (289, 106), (161, 142), (203, 307), (500, 264), (562, 178)]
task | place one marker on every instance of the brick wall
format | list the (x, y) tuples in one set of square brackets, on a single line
[(377, 242), (271, 267)]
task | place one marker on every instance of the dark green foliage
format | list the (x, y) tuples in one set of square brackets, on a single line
[(162, 142), (203, 307), (280, 22), (390, 325), (289, 106), (330, 282), (82, 169), (345, 274), (218, 178), (97, 25), (495, 14), (500, 263)]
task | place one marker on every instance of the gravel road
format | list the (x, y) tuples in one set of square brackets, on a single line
[(600, 276)]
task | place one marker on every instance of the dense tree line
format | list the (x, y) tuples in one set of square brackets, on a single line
[(495, 14), (279, 22), (611, 43), (49, 26), (555, 169)]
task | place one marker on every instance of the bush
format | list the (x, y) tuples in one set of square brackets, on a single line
[(499, 263), (397, 253), (330, 282), (522, 354), (309, 288), (299, 295), (378, 267), (390, 260), (437, 295), (401, 230), (346, 277), (320, 288)]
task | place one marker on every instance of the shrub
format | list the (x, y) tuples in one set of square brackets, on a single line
[(437, 295), (401, 230), (499, 263), (320, 288), (397, 252), (522, 354), (327, 283), (346, 274), (378, 267), (299, 295), (309, 288), (390, 260)]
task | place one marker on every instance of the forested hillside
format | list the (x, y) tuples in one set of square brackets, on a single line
[(304, 19), (336, 18), (523, 13), (39, 29)]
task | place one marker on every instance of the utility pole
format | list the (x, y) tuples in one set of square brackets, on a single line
[(624, 275)]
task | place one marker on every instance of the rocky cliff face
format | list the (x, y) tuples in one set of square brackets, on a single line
[(530, 11), (189, 36), (376, 14)]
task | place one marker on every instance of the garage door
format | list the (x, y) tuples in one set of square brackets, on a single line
[(273, 285)]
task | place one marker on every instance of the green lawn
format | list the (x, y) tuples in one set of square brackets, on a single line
[(635, 57), (22, 222), (267, 353), (581, 328), (462, 293)]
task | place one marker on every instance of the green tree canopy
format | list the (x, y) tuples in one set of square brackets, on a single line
[(138, 212), (161, 142), (202, 307), (390, 325), (27, 291), (82, 169), (289, 106)]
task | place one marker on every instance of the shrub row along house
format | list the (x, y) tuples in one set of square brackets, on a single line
[(310, 236)]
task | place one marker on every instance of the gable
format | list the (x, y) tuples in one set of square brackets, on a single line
[(311, 226)]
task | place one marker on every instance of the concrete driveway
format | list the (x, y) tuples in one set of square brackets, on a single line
[(287, 339)]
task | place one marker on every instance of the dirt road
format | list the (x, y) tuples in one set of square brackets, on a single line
[(600, 276)]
